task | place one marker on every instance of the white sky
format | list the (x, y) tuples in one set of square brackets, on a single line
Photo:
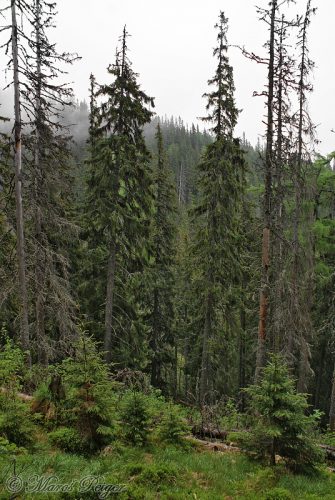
[(171, 47)]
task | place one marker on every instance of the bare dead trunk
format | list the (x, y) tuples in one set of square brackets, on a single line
[(304, 366), (109, 302), (24, 321), (263, 306), (40, 261), (300, 334), (278, 316), (42, 344), (265, 279)]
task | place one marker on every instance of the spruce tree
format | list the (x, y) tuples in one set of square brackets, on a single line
[(220, 173), (281, 425), (119, 187), (160, 273)]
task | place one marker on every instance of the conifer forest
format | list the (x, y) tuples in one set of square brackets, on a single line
[(167, 289)]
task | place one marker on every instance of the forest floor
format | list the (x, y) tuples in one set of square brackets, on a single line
[(155, 472)]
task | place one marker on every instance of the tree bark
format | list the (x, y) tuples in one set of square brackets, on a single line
[(155, 364), (319, 374), (21, 256), (205, 359), (111, 268), (332, 407)]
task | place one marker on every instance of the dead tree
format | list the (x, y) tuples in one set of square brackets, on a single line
[(49, 149), (14, 47), (267, 209)]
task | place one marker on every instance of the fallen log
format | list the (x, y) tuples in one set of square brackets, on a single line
[(213, 446), (206, 432), (20, 395), (329, 450)]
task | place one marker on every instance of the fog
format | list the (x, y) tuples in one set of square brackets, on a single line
[(171, 47)]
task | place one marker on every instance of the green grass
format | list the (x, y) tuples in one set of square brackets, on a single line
[(158, 472)]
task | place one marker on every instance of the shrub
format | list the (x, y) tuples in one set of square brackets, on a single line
[(67, 439), (173, 427), (10, 448), (87, 404), (48, 400), (15, 423), (158, 475), (135, 418), (281, 426), (278, 494)]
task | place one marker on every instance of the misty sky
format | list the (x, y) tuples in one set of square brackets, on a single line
[(171, 47)]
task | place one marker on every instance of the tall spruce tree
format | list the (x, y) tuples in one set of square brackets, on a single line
[(160, 272), (119, 188), (220, 173)]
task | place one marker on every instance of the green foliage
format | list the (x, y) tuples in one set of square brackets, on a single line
[(230, 417), (278, 494), (328, 438), (11, 366), (281, 426), (8, 448), (158, 475), (15, 423), (169, 472), (173, 427), (118, 210), (157, 280), (135, 418), (67, 439), (87, 406)]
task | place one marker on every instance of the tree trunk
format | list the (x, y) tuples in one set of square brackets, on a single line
[(332, 407), (109, 302), (301, 312), (265, 280), (279, 292), (242, 350), (155, 364), (205, 359), (273, 453), (319, 375), (24, 322), (42, 350)]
